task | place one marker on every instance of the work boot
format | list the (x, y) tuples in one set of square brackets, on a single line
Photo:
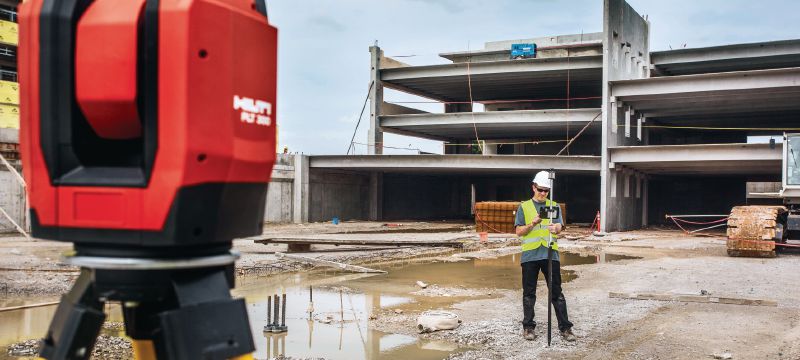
[(529, 334), (567, 335)]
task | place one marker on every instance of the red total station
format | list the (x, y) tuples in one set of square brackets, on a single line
[(147, 125)]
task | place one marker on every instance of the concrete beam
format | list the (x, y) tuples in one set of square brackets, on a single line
[(724, 52), (492, 67), (492, 124), (706, 84), (422, 135), (712, 159), (737, 57), (458, 164), (712, 94), (396, 109)]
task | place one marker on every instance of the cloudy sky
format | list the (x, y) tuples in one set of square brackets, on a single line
[(323, 68)]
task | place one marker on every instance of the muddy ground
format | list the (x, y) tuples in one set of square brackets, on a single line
[(607, 328), (32, 268)]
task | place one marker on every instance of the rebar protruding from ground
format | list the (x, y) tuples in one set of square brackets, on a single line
[(269, 310), (310, 309), (341, 306), (276, 320), (283, 313), (269, 326), (277, 309)]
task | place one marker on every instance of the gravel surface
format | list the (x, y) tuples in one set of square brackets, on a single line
[(607, 328), (637, 329), (106, 348)]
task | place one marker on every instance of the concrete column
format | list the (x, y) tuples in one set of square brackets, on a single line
[(488, 149), (639, 121), (644, 200), (629, 113), (300, 193), (645, 131), (626, 34), (375, 136), (376, 196)]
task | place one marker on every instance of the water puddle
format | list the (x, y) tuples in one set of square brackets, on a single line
[(351, 296)]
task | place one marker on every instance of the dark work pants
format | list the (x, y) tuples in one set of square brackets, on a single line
[(530, 274)]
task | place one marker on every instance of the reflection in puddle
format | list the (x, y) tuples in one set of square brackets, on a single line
[(350, 339), (361, 296)]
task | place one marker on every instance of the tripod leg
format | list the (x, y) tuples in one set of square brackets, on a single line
[(143, 349), (207, 323), (76, 323)]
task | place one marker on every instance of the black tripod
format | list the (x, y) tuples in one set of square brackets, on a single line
[(173, 309)]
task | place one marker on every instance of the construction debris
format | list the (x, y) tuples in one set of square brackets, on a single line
[(693, 298), (421, 284), (723, 356), (436, 320), (328, 263)]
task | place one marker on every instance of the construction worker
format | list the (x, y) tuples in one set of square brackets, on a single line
[(534, 232)]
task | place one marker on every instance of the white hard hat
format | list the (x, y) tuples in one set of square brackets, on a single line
[(542, 179)]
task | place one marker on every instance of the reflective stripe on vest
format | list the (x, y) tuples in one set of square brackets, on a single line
[(539, 234)]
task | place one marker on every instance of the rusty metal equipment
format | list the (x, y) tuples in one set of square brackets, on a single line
[(758, 231)]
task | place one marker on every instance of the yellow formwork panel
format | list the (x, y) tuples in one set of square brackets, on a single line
[(9, 92), (9, 116), (9, 32)]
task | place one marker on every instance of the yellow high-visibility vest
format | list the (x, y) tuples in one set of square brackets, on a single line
[(539, 234)]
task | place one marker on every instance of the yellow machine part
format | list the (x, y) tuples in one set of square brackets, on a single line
[(145, 350), (752, 230)]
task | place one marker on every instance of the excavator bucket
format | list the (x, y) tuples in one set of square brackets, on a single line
[(753, 230)]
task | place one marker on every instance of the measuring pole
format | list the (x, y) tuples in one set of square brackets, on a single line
[(552, 176)]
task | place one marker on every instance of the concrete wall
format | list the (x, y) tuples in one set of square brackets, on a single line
[(553, 104), (433, 197), (12, 200), (686, 137), (339, 194), (280, 193), (678, 195), (626, 56), (587, 144), (425, 197)]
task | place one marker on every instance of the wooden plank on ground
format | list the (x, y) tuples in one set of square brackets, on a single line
[(693, 298), (28, 306), (328, 263), (433, 240)]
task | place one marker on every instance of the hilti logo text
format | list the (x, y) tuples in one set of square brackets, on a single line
[(257, 112)]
